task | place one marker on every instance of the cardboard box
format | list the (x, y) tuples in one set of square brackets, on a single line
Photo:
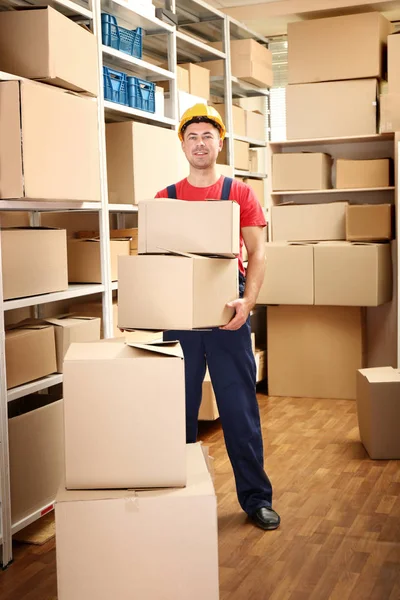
[(240, 155), (255, 125), (289, 274), (257, 160), (261, 365), (362, 173), (301, 171), (352, 274), (336, 48), (208, 407), (133, 150), (258, 187), (175, 292), (199, 80), (253, 103), (238, 118), (182, 79), (70, 328), (334, 109), (202, 227), (30, 350), (369, 222), (309, 222), (84, 259), (314, 351), (39, 123), (95, 309), (36, 441), (389, 113), (160, 101), (130, 233), (378, 409), (34, 261), (43, 44), (172, 533), (393, 57)]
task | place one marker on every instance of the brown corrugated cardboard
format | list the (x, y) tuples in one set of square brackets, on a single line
[(129, 233), (352, 274), (71, 328), (254, 103), (95, 309), (309, 222), (199, 80), (171, 533), (238, 118), (255, 125), (34, 261), (71, 221), (240, 153), (378, 409), (39, 123), (30, 353), (182, 79), (103, 381), (14, 219), (314, 351), (175, 292), (84, 262), (301, 171), (257, 160), (336, 48), (362, 173), (258, 187), (335, 109), (36, 442), (393, 49), (389, 113), (210, 227), (43, 44), (369, 222), (289, 274)]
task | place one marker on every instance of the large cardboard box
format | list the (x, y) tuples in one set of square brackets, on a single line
[(39, 124), (95, 309), (146, 384), (314, 351), (166, 543), (393, 48), (369, 222), (70, 328), (255, 125), (301, 171), (362, 173), (238, 118), (389, 113), (84, 259), (175, 292), (257, 160), (352, 274), (198, 227), (336, 48), (199, 80), (30, 350), (333, 109), (309, 222), (378, 409), (36, 441), (43, 44), (258, 187), (34, 261), (289, 274), (240, 155)]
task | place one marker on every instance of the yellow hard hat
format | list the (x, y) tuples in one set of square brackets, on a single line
[(202, 110)]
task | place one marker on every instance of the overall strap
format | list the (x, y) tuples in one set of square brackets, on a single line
[(171, 189), (226, 188)]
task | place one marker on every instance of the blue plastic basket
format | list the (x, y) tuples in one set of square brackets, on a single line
[(125, 40), (115, 86), (141, 94)]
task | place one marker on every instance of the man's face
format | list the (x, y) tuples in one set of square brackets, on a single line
[(201, 145)]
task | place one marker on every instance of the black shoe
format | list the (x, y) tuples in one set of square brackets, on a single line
[(266, 518)]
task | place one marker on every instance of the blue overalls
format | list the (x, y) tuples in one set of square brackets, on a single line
[(232, 368)]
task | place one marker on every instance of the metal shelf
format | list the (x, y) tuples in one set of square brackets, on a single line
[(240, 173), (32, 518), (240, 88), (139, 67), (189, 48), (250, 141), (123, 207), (119, 112), (355, 139), (34, 386), (333, 191), (73, 291), (138, 18), (114, 285), (66, 7), (44, 206)]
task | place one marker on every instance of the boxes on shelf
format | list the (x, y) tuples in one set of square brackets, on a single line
[(95, 309), (71, 221), (159, 101), (369, 222), (238, 118), (42, 44), (34, 261), (393, 43), (301, 171), (148, 298), (130, 234), (30, 350), (362, 173), (389, 113), (337, 48), (332, 109), (257, 158), (72, 328), (241, 155), (142, 450), (185, 101), (255, 125), (305, 359), (253, 103), (84, 259), (39, 123), (129, 517), (182, 79), (198, 227), (378, 410), (258, 187), (208, 407), (199, 80), (129, 41), (309, 222)]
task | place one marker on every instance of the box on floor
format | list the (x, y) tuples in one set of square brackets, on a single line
[(369, 222), (39, 123), (301, 171), (199, 80), (84, 259), (257, 160), (369, 173), (309, 222), (238, 118), (95, 309), (240, 155), (70, 328), (389, 113), (393, 57), (34, 261), (305, 360), (255, 125), (209, 227)]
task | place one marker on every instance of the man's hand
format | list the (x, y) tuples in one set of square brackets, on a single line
[(242, 308)]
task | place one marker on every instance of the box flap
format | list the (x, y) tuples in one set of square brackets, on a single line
[(143, 336), (167, 348), (29, 324), (381, 375)]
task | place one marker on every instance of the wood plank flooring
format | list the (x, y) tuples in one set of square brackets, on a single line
[(340, 532)]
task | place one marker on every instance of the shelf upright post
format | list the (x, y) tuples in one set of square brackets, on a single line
[(172, 66), (226, 46)]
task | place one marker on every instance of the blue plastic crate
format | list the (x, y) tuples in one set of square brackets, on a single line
[(141, 94), (115, 86), (126, 40)]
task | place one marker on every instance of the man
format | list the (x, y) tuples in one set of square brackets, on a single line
[(227, 350)]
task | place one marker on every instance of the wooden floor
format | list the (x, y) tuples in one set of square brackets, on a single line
[(340, 532)]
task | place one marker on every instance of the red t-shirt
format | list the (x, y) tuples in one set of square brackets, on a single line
[(251, 213)]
